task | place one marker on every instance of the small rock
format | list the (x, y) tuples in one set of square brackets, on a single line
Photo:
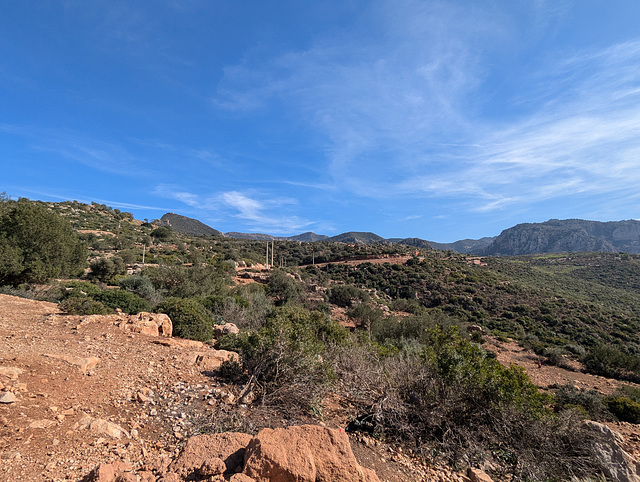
[(7, 397), (41, 424), (211, 467), (477, 475)]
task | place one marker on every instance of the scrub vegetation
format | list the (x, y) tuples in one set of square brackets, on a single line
[(408, 365)]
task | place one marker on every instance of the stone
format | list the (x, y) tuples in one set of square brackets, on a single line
[(228, 446), (101, 427), (84, 363), (41, 424), (212, 466), (153, 324), (146, 476), (7, 397), (226, 329), (241, 478), (170, 477), (213, 359), (615, 462), (179, 343), (114, 472), (477, 475), (303, 453), (11, 372)]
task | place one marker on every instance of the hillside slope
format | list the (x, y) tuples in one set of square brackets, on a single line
[(185, 225)]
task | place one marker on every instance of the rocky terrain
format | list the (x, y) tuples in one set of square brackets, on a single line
[(102, 397)]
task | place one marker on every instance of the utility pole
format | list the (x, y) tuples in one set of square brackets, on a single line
[(267, 262), (272, 250)]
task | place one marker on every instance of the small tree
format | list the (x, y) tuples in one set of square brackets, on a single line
[(283, 287), (37, 244), (104, 269)]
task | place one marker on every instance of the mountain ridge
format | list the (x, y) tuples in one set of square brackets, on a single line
[(552, 236)]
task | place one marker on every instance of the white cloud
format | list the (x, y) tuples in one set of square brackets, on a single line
[(400, 103), (258, 213)]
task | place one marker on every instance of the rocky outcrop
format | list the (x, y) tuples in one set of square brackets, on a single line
[(304, 453), (152, 324), (616, 463), (570, 235), (203, 449)]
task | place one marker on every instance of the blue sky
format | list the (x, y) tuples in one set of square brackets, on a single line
[(439, 120)]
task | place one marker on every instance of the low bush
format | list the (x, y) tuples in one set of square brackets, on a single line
[(283, 288), (128, 302), (142, 286), (590, 402), (83, 306), (446, 398), (346, 295), (105, 269), (612, 362), (285, 358), (190, 319), (625, 409)]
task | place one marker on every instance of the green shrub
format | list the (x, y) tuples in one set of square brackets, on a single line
[(590, 401), (346, 295), (365, 315), (187, 282), (105, 269), (83, 306), (142, 286), (611, 362), (625, 409), (285, 357), (190, 319), (128, 302), (283, 287)]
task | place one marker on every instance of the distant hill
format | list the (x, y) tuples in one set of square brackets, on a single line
[(185, 225), (308, 237), (465, 246), (252, 236), (569, 235), (358, 238), (417, 242)]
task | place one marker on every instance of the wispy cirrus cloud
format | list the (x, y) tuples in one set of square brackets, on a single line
[(402, 103)]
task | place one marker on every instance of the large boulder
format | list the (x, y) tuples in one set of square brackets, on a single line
[(303, 453), (153, 324), (616, 463), (201, 450)]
